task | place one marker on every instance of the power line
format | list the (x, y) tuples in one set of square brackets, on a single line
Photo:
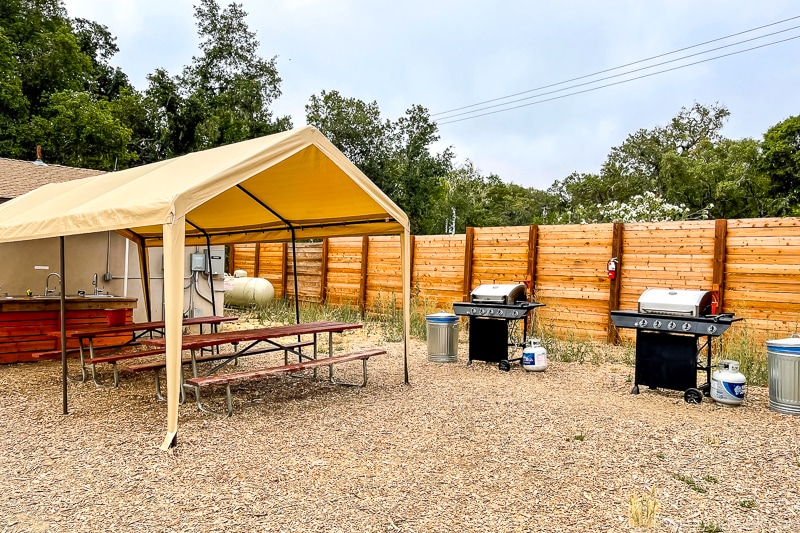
[(614, 68), (619, 82), (616, 75)]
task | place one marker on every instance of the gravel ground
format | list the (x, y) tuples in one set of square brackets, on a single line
[(462, 448)]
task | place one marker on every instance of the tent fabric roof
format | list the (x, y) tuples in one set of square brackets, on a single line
[(251, 191)]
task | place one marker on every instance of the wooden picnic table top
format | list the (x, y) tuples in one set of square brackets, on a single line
[(87, 333), (258, 334)]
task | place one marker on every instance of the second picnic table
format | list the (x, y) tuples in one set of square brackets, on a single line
[(138, 330)]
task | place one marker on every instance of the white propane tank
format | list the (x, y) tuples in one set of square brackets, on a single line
[(534, 356), (728, 384), (241, 291)]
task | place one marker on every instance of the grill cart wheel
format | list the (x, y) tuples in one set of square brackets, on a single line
[(692, 395), (504, 365)]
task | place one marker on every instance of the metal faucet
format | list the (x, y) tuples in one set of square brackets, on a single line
[(47, 289), (97, 290)]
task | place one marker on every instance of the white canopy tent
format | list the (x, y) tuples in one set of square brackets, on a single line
[(282, 187)]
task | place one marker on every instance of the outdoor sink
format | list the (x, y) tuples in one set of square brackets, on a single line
[(100, 296), (47, 297)]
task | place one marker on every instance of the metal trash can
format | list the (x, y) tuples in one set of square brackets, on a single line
[(783, 367), (442, 337)]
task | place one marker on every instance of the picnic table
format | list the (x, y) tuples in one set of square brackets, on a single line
[(120, 352), (254, 341)]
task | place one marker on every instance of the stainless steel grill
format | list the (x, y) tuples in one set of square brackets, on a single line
[(493, 312), (669, 323)]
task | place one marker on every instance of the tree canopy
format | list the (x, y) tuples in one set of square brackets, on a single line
[(59, 90)]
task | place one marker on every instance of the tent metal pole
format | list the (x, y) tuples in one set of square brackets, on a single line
[(63, 325), (294, 275)]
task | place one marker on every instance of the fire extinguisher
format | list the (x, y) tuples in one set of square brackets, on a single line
[(611, 267)]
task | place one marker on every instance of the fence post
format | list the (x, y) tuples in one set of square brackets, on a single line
[(612, 337), (362, 296), (257, 261), (468, 263), (412, 245), (323, 273), (533, 243), (284, 275), (231, 258), (718, 277)]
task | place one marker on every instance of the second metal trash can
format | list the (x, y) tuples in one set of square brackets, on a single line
[(783, 366), (442, 337)]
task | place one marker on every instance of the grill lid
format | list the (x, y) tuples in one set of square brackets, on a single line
[(500, 293), (675, 302)]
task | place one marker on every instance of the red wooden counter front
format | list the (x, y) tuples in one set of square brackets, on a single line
[(26, 323)]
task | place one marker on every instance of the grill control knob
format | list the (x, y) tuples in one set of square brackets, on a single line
[(516, 313), (499, 312), (686, 326), (656, 324), (473, 311), (491, 312), (712, 329), (643, 323), (671, 324)]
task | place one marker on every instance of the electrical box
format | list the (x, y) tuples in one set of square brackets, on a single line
[(217, 262), (198, 262)]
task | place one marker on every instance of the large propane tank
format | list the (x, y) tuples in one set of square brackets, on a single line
[(534, 356), (242, 291), (728, 384)]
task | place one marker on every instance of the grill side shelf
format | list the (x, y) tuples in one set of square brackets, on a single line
[(687, 325)]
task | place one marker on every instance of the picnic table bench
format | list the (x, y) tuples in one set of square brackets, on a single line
[(268, 335), (251, 375)]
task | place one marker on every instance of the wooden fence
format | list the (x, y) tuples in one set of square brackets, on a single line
[(753, 265)]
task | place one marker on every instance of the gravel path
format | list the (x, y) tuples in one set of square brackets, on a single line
[(463, 448)]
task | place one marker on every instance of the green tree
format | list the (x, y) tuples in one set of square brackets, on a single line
[(80, 130), (780, 162)]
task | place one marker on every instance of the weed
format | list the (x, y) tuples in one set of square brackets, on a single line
[(711, 527), (579, 437), (741, 345), (747, 504), (690, 482), (660, 455), (710, 479), (711, 439), (643, 509)]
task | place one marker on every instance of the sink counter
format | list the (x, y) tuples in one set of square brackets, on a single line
[(26, 322)]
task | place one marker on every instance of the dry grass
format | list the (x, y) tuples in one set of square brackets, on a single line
[(462, 448)]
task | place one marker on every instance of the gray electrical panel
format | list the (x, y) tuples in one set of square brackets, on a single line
[(198, 262), (217, 262)]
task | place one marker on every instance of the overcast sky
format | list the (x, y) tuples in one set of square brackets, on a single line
[(446, 54)]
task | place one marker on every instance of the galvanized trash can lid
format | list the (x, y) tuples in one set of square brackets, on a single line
[(442, 317), (790, 345)]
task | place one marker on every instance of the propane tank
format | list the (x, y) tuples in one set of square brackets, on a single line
[(242, 291), (728, 384), (534, 356)]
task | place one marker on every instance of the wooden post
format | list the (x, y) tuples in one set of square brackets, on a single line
[(533, 244), (612, 336), (231, 258), (284, 274), (412, 245), (257, 261), (718, 277), (468, 248), (362, 292), (323, 274)]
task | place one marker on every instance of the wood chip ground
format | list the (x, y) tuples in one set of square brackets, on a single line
[(461, 449)]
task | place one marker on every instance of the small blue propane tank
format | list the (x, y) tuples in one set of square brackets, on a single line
[(534, 356)]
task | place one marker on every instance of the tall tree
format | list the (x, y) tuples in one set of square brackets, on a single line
[(781, 164)]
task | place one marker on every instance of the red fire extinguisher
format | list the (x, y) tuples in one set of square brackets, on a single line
[(611, 267)]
